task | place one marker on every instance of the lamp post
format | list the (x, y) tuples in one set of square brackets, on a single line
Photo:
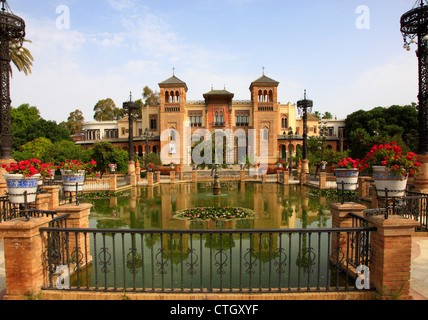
[(414, 28), (304, 106), (290, 139), (12, 33), (131, 108), (323, 134)]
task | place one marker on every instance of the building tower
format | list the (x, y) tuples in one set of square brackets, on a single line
[(172, 116), (264, 95)]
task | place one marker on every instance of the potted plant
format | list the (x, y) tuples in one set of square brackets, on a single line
[(22, 180), (347, 171), (391, 168), (73, 174), (150, 167), (113, 167), (323, 164)]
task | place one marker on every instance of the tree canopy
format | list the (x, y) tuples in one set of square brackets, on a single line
[(106, 110), (380, 125), (27, 125), (74, 122)]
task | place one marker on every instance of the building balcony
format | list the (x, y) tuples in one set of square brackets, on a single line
[(218, 124), (172, 107), (265, 106)]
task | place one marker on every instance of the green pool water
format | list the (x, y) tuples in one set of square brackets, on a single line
[(275, 207), (165, 260)]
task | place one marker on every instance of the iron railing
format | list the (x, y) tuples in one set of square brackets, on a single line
[(209, 261)]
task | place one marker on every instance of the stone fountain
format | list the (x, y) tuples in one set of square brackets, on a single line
[(217, 185)]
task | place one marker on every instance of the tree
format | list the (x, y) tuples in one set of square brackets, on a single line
[(151, 98), (21, 57), (27, 125), (74, 122), (37, 147), (385, 123), (106, 110), (64, 150), (105, 153)]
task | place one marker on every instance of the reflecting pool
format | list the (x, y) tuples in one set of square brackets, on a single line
[(275, 206), (125, 257)]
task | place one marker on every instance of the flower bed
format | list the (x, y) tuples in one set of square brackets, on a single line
[(101, 195), (215, 214)]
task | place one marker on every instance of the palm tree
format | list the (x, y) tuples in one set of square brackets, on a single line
[(21, 57)]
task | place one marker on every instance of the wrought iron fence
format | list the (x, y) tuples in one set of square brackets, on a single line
[(171, 261)]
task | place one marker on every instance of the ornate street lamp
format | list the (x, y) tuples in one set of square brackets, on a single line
[(290, 139), (12, 33), (323, 134), (304, 106), (414, 28), (132, 109)]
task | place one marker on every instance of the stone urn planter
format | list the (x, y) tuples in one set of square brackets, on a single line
[(347, 179), (21, 189), (70, 179), (384, 179)]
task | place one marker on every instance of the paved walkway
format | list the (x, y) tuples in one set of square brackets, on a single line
[(418, 280), (419, 269)]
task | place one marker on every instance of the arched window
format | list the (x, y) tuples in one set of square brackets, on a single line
[(270, 96), (216, 118), (260, 96), (265, 133), (172, 134), (221, 117), (265, 94), (172, 97), (177, 96), (166, 97)]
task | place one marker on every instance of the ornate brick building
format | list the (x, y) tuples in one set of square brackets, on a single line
[(165, 128)]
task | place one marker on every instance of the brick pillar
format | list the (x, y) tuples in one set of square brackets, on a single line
[(194, 176), (363, 185), (138, 171), (150, 178), (264, 177), (341, 219), (287, 177), (79, 218), (302, 178), (53, 192), (42, 202), (391, 245), (158, 174), (172, 176), (323, 180), (131, 173), (242, 177), (23, 256), (180, 172), (113, 182)]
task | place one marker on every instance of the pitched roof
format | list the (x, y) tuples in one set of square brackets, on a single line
[(264, 79), (173, 81), (224, 93)]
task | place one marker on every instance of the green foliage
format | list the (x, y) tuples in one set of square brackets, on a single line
[(382, 125), (64, 150), (106, 110), (37, 147), (105, 153), (74, 122), (27, 125), (315, 152), (152, 158)]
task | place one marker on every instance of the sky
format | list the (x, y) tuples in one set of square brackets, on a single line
[(347, 54)]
